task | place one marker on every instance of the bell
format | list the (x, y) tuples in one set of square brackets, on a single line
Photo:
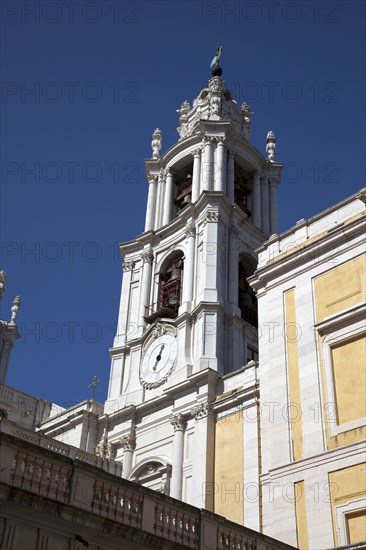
[(175, 274), (173, 299), (186, 201)]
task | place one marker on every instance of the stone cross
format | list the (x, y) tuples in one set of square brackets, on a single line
[(93, 385)]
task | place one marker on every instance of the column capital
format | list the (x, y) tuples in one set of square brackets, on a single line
[(147, 256), (178, 421), (202, 410), (128, 442), (168, 172), (197, 152), (152, 178), (221, 140), (211, 216), (190, 230), (128, 265)]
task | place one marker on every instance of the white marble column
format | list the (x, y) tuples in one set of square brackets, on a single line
[(273, 207), (230, 177), (196, 175), (122, 329), (265, 202), (233, 271), (147, 258), (188, 269), (256, 201), (128, 444), (168, 197), (208, 165), (159, 200), (151, 203), (179, 424), (220, 166)]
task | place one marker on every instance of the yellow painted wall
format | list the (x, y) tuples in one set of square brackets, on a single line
[(346, 486), (340, 288), (229, 467), (349, 374), (356, 525), (293, 372), (301, 518)]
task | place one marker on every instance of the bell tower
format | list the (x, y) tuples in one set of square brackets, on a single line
[(187, 316)]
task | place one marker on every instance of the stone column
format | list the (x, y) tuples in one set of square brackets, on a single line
[(233, 273), (122, 329), (188, 270), (159, 200), (179, 424), (208, 166), (256, 201), (273, 226), (151, 203), (265, 202), (128, 444), (230, 177), (196, 175), (147, 258), (220, 166), (168, 197)]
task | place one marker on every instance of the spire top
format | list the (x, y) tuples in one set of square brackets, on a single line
[(215, 63)]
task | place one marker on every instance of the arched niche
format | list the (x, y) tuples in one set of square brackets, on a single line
[(154, 472)]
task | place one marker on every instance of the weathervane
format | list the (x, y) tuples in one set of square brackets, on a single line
[(215, 63), (93, 385)]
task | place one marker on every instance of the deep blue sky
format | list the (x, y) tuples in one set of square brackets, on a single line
[(301, 67)]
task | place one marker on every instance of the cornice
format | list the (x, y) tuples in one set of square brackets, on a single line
[(304, 253)]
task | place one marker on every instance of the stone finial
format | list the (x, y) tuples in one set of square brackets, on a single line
[(246, 113), (14, 310), (271, 146), (184, 108), (156, 143), (2, 281)]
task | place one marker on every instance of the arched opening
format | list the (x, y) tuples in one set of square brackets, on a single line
[(170, 289), (170, 283), (154, 473), (242, 189), (247, 300), (184, 191)]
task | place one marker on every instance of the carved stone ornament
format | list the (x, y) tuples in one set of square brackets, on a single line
[(202, 410), (128, 442), (216, 85), (128, 265), (156, 143), (271, 146), (2, 281), (190, 230), (147, 256), (105, 450), (212, 216), (14, 310), (178, 421), (158, 330)]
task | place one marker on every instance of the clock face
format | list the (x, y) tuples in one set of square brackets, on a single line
[(158, 361)]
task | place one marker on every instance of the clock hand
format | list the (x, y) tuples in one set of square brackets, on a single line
[(158, 357)]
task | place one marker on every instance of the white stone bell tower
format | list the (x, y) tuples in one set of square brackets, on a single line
[(187, 315)]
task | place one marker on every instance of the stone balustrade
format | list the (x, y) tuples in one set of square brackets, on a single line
[(43, 476)]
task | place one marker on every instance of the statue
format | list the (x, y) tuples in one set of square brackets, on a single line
[(271, 146), (156, 143), (247, 113), (215, 63)]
